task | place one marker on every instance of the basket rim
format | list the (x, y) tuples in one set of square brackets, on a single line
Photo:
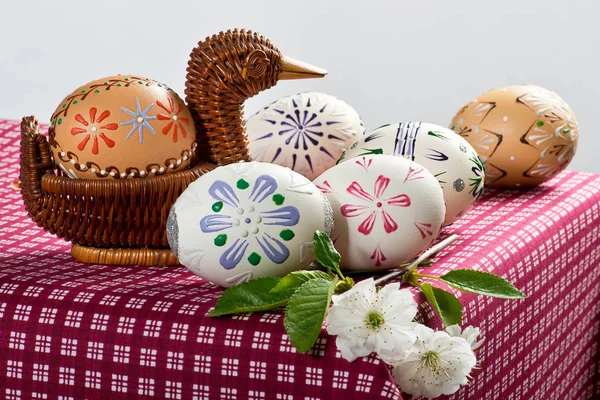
[(55, 184)]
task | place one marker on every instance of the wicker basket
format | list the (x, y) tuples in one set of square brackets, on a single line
[(123, 221)]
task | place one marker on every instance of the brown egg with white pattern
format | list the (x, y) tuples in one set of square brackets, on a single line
[(525, 134)]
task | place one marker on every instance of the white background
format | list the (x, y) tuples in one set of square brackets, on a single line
[(391, 60)]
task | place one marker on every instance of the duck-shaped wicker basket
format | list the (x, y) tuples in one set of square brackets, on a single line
[(123, 221)]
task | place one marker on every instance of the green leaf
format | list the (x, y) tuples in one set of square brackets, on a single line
[(295, 279), (250, 296), (325, 252), (306, 310), (482, 283), (369, 152), (445, 303)]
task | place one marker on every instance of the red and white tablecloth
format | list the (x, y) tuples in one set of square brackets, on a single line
[(75, 331)]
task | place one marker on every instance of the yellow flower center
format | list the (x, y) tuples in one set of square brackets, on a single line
[(374, 320), (432, 361)]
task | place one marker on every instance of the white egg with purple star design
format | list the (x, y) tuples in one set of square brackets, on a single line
[(448, 156), (306, 132), (247, 220)]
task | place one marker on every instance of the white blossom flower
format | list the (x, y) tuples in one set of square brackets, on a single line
[(366, 320), (470, 334), (437, 364)]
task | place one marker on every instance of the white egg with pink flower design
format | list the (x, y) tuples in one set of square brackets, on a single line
[(386, 209)]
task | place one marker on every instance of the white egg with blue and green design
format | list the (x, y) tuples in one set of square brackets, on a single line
[(306, 132), (448, 156), (387, 210), (247, 220)]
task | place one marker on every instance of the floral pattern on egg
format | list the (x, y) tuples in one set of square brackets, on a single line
[(387, 210), (272, 247), (122, 127), (245, 221), (306, 132), (449, 157)]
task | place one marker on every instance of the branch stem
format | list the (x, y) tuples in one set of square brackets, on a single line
[(430, 252), (437, 278)]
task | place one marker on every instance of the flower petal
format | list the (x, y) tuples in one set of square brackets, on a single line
[(393, 296), (284, 216), (453, 330), (399, 310), (264, 186), (347, 322), (93, 112), (215, 223), (111, 127), (356, 190), (77, 131), (388, 222), (470, 334), (402, 200), (442, 375), (81, 120), (95, 145), (167, 127), (407, 374), (110, 143), (352, 210), (222, 191), (234, 254), (84, 142), (423, 332), (350, 350), (273, 248), (361, 288), (105, 114), (366, 226), (360, 298), (394, 345), (182, 128), (161, 105), (381, 184)]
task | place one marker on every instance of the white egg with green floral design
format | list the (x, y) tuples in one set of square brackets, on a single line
[(247, 220), (306, 132), (448, 156), (387, 210)]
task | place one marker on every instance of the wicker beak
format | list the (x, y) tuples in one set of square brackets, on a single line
[(294, 69)]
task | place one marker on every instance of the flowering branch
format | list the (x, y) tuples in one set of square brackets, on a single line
[(366, 318)]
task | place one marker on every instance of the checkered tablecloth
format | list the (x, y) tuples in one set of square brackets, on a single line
[(75, 331)]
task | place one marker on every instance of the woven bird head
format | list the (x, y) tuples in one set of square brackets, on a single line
[(239, 64), (224, 70)]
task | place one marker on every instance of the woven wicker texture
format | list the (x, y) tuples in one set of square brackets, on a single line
[(122, 221), (100, 213), (224, 71)]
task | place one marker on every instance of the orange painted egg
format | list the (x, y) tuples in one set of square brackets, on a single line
[(525, 134), (121, 127)]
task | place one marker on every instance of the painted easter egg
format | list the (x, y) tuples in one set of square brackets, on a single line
[(306, 132), (449, 157), (386, 209), (247, 220), (525, 134), (121, 127)]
